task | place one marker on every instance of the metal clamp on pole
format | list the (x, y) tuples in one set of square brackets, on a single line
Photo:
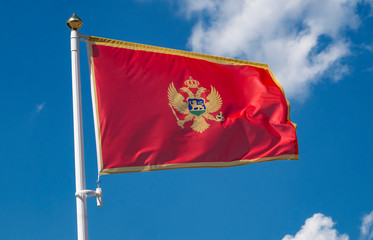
[(91, 193)]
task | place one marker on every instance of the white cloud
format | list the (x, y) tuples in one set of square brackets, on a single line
[(368, 47), (366, 229), (299, 39), (40, 107), (318, 227), (370, 3)]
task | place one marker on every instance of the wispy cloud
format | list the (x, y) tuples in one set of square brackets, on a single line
[(40, 107), (368, 47), (366, 229), (317, 227), (300, 39)]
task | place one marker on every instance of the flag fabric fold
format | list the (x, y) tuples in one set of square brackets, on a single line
[(157, 108)]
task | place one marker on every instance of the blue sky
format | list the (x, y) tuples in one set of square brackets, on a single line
[(320, 50)]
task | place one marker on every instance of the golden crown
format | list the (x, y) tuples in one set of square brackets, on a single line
[(191, 83)]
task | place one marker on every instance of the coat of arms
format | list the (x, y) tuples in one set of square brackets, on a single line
[(195, 107)]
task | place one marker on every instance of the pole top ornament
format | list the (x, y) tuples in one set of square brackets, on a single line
[(74, 22)]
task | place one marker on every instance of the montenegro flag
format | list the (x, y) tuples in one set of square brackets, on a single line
[(158, 108)]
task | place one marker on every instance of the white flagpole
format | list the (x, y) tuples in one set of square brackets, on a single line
[(74, 24)]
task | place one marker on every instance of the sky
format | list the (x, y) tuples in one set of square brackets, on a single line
[(321, 51)]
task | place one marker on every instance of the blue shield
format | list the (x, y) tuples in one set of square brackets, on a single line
[(196, 106)]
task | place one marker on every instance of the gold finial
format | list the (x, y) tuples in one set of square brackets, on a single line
[(74, 22)]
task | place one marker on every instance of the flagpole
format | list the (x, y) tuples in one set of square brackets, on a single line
[(74, 23)]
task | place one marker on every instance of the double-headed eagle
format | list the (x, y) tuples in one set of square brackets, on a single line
[(195, 107)]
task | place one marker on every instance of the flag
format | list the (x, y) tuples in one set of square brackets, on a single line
[(157, 108)]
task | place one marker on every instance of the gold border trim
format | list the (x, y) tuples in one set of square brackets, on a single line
[(149, 48), (98, 130), (196, 165)]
